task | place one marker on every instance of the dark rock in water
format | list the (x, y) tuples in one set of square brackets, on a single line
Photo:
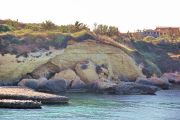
[(78, 84), (130, 88), (30, 83), (46, 70), (20, 104), (11, 82), (42, 84), (154, 81), (53, 86)]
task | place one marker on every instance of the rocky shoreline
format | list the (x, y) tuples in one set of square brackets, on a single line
[(29, 92), (88, 66)]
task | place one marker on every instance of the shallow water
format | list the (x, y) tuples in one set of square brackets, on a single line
[(163, 106)]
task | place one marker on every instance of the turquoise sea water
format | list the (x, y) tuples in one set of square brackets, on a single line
[(163, 106)]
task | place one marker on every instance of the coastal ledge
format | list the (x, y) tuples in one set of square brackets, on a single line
[(20, 93), (20, 104)]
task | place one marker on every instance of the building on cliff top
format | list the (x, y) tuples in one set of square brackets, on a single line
[(160, 31), (171, 31)]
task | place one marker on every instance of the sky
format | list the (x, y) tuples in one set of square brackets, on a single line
[(127, 15)]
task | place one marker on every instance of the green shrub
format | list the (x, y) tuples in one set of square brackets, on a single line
[(59, 41), (113, 31), (72, 28), (63, 28), (4, 28), (15, 25), (48, 25), (80, 26), (34, 27), (106, 30)]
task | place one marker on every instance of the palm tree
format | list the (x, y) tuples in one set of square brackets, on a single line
[(80, 26)]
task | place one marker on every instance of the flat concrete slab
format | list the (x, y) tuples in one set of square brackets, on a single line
[(20, 104), (19, 93)]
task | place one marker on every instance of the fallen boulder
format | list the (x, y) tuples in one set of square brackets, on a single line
[(99, 86), (67, 74), (87, 71), (46, 70), (172, 77), (54, 86), (30, 83), (154, 81), (131, 88), (77, 84)]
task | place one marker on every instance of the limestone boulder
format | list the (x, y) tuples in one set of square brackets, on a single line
[(87, 71), (72, 80), (53, 86), (172, 77), (46, 70), (78, 84), (30, 83), (67, 74)]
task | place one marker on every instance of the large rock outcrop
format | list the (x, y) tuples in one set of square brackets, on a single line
[(117, 62)]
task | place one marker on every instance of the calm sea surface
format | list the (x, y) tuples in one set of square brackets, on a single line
[(163, 106)]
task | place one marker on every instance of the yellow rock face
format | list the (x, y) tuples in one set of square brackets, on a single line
[(11, 71), (118, 62)]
